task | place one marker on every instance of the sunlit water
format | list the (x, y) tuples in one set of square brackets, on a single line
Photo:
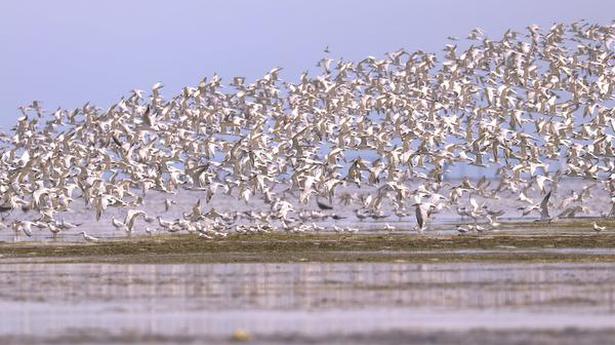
[(213, 300)]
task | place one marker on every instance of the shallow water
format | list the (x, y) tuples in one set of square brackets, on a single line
[(295, 303), (441, 224)]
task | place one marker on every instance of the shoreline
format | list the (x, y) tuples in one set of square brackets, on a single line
[(282, 247)]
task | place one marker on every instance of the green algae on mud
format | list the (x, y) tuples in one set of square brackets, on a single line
[(328, 257), (281, 247)]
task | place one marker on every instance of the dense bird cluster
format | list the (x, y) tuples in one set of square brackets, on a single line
[(379, 134)]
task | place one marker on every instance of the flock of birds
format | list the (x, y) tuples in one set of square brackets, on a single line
[(379, 136)]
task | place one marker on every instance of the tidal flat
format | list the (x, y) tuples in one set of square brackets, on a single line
[(308, 303), (540, 285), (536, 245)]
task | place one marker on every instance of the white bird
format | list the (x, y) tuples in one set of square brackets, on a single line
[(89, 238), (275, 145), (492, 222), (389, 227), (461, 229), (168, 203), (131, 217), (598, 228), (118, 224)]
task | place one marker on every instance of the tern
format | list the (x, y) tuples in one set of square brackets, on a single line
[(366, 134), (598, 228), (89, 238)]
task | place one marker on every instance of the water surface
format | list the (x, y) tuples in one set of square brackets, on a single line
[(295, 303)]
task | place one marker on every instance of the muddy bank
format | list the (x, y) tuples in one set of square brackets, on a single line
[(571, 336), (278, 247)]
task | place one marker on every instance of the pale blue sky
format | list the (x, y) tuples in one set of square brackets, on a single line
[(68, 52)]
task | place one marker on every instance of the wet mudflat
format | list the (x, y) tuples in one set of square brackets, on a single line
[(308, 302)]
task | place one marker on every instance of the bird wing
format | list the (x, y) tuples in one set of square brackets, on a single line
[(474, 204), (419, 216), (544, 206), (131, 216)]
